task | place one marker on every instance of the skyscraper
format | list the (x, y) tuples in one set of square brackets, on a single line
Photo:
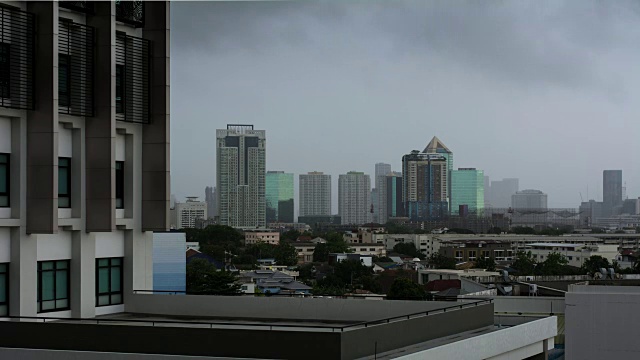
[(467, 188), (390, 196), (487, 191), (611, 191), (210, 195), (436, 146), (382, 169), (501, 192), (354, 198), (529, 199), (315, 194), (279, 196), (240, 176), (188, 212), (424, 186)]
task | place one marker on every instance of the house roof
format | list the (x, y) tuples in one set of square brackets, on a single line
[(440, 285), (434, 145), (194, 254)]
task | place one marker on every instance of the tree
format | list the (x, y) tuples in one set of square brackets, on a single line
[(291, 235), (486, 263), (524, 264), (203, 278), (285, 254), (554, 264), (405, 289), (351, 271), (594, 263), (495, 230), (408, 249), (440, 261), (321, 253), (523, 230)]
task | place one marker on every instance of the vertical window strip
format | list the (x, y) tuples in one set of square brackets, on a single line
[(109, 277), (5, 177), (119, 184), (64, 182), (53, 286), (4, 289)]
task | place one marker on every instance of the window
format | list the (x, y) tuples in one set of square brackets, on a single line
[(458, 254), (119, 184), (4, 289), (4, 180), (108, 281), (53, 285), (5, 73), (64, 182), (64, 80), (472, 254), (120, 89)]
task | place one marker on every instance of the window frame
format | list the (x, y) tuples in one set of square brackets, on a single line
[(120, 176), (4, 271), (7, 164), (67, 78), (68, 182), (5, 71), (55, 285), (110, 293)]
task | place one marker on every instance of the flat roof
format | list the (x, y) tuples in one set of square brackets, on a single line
[(557, 245)]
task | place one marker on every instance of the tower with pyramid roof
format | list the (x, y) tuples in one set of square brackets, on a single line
[(436, 146)]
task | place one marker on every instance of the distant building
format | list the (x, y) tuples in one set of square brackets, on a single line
[(188, 212), (611, 191), (315, 194), (279, 197), (467, 188), (529, 199), (381, 169), (169, 261), (487, 191), (366, 260), (240, 176), (473, 250), (354, 201), (389, 196), (252, 237), (313, 220), (210, 195), (425, 186), (501, 192), (576, 254), (590, 212), (436, 146)]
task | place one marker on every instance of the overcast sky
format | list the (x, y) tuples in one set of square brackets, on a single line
[(548, 92)]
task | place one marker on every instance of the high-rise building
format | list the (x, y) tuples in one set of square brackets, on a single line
[(210, 195), (354, 198), (279, 196), (315, 194), (390, 196), (425, 180), (501, 192), (487, 191), (240, 176), (382, 169), (529, 199), (467, 188), (84, 161), (188, 212), (611, 191), (436, 146)]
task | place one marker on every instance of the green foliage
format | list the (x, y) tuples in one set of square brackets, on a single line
[(203, 278), (552, 232), (283, 253), (523, 230), (290, 235), (335, 244), (524, 264), (321, 253), (598, 231), (348, 275), (554, 264), (495, 230), (619, 232), (594, 263), (408, 249), (488, 264), (382, 259), (440, 261), (393, 228), (405, 289)]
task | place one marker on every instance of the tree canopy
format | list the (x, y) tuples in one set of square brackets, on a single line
[(408, 249), (203, 278), (486, 263), (594, 263), (405, 289), (440, 261)]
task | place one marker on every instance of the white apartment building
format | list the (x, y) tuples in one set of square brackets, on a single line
[(315, 194), (240, 176), (84, 153), (252, 237), (354, 198), (576, 254), (188, 212), (426, 244)]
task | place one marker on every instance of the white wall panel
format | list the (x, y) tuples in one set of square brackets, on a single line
[(65, 141), (5, 135), (5, 245), (110, 244), (54, 246), (121, 145)]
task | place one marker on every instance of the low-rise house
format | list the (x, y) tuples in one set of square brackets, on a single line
[(252, 237), (369, 249), (576, 254), (426, 244), (458, 287), (366, 260), (274, 282), (472, 250), (304, 251)]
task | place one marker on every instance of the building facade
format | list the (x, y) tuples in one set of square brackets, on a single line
[(529, 199), (210, 195), (576, 254), (381, 169), (501, 192), (436, 146), (425, 184), (84, 123), (279, 196), (611, 191), (354, 198), (252, 237), (315, 194), (390, 197), (240, 176), (467, 188), (188, 212)]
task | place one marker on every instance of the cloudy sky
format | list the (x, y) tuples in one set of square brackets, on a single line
[(545, 91)]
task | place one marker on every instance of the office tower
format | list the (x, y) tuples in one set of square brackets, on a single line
[(529, 199), (188, 212), (590, 211), (279, 196), (487, 191), (315, 194), (354, 198), (390, 196), (436, 146), (382, 169), (210, 195), (84, 168), (501, 192), (240, 176), (424, 186), (467, 188), (611, 191)]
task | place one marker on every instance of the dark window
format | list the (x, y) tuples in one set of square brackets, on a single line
[(119, 184), (64, 80), (4, 289), (108, 281), (53, 285), (120, 89), (4, 180), (5, 72), (64, 182)]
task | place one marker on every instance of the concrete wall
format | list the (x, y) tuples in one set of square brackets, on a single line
[(528, 304), (602, 322)]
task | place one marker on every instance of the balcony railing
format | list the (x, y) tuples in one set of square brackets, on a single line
[(75, 64), (16, 58), (130, 12), (133, 70), (80, 6)]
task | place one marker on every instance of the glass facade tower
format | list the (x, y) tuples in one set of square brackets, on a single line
[(279, 196), (467, 188)]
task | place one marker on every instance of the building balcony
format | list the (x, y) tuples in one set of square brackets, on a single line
[(130, 12), (17, 42)]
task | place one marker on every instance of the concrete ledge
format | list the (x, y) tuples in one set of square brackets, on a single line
[(70, 223), (9, 222)]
